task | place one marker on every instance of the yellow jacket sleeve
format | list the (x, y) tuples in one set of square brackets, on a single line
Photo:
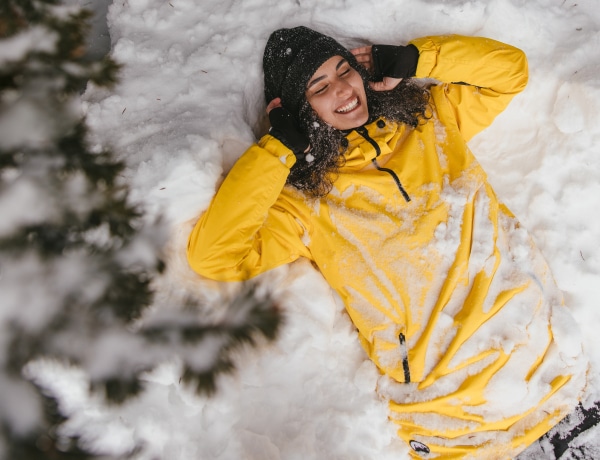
[(248, 229), (481, 75)]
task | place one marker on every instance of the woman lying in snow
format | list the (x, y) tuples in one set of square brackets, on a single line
[(367, 173)]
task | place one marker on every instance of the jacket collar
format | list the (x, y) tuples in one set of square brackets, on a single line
[(361, 149)]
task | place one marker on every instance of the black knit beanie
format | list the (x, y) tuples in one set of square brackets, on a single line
[(291, 57)]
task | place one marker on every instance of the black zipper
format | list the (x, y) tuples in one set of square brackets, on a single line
[(364, 133), (404, 353)]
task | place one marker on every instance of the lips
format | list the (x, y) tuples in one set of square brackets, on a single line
[(348, 107)]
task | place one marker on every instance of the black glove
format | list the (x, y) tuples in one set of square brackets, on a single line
[(285, 128), (394, 61)]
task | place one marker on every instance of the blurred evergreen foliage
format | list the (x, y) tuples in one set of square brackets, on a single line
[(77, 258)]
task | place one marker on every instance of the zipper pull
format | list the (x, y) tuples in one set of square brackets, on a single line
[(404, 355)]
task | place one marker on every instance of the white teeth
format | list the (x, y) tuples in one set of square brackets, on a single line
[(348, 106)]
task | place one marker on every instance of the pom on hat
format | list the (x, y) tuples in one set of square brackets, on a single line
[(291, 58)]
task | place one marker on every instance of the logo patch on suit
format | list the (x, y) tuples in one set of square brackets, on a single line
[(419, 447)]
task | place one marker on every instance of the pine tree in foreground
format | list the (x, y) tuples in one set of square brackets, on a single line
[(77, 259)]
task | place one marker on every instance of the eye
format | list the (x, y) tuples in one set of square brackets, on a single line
[(322, 89), (345, 71)]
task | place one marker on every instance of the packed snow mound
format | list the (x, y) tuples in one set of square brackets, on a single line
[(190, 101)]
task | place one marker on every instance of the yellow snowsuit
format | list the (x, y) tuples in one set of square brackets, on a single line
[(451, 300)]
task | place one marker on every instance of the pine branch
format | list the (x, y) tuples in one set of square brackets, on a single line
[(77, 259)]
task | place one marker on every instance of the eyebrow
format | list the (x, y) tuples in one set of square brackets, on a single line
[(318, 79)]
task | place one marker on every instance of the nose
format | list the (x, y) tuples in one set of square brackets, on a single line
[(343, 88)]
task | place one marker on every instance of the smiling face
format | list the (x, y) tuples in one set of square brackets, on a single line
[(337, 93)]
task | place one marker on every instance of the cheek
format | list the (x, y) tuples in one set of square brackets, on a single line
[(321, 107), (359, 86)]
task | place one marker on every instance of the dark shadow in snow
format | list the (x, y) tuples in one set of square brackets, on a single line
[(98, 42)]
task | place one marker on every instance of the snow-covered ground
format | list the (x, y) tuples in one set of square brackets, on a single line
[(188, 104)]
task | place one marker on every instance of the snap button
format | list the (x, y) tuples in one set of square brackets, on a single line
[(380, 123)]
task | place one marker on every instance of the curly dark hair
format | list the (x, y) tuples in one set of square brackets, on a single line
[(406, 103)]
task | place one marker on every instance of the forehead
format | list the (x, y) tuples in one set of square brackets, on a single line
[(330, 66)]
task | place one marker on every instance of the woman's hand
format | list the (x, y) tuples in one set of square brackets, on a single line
[(386, 84), (273, 104), (364, 57), (388, 64), (285, 128)]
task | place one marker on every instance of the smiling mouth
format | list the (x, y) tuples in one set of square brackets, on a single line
[(348, 107)]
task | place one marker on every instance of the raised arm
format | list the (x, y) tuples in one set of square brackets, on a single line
[(483, 75), (248, 228)]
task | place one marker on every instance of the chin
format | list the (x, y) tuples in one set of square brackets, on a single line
[(351, 124), (353, 120)]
